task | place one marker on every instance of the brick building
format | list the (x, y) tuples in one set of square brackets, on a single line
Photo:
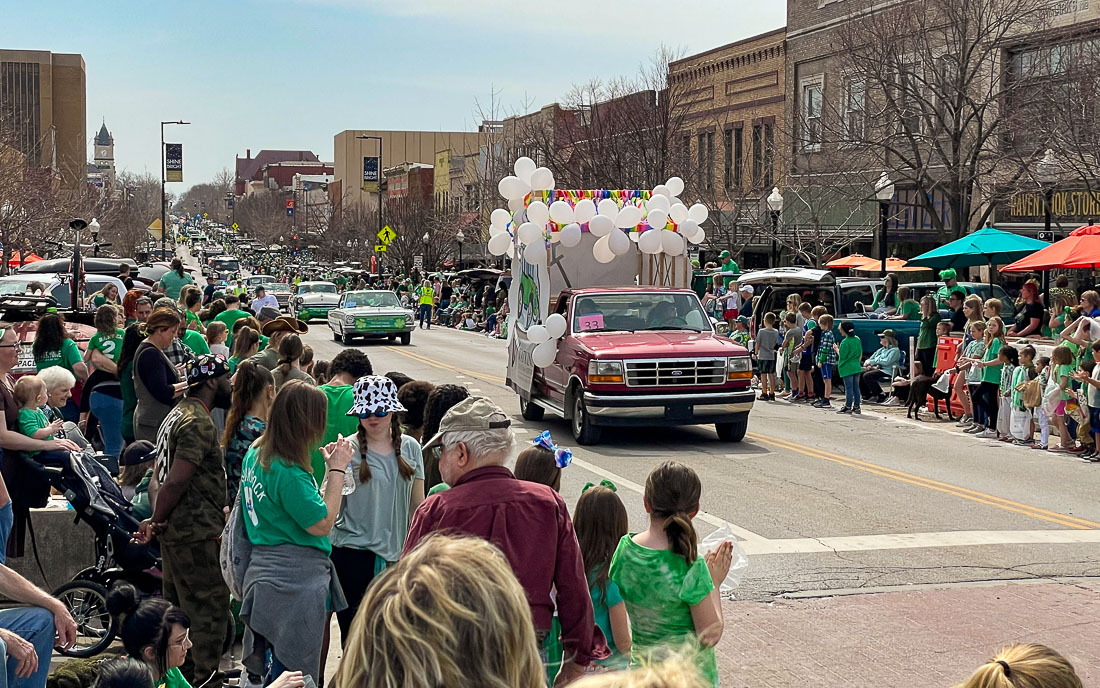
[(249, 171), (730, 106)]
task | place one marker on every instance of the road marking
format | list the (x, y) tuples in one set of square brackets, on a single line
[(928, 483), (444, 366), (962, 538)]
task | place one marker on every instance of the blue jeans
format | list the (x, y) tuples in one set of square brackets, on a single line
[(275, 668), (426, 315), (35, 625), (7, 519), (851, 391), (108, 410)]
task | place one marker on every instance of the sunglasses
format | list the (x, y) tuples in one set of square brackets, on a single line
[(380, 413)]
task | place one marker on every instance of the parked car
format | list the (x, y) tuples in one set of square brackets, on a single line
[(370, 315), (57, 286), (982, 289), (252, 281), (314, 299)]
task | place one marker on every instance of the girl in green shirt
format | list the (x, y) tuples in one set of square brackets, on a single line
[(54, 347), (154, 631), (671, 593), (1061, 365), (990, 366)]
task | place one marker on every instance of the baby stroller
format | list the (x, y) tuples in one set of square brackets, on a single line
[(97, 500)]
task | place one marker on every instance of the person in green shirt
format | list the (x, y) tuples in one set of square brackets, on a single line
[(908, 309), (53, 346), (926, 336), (729, 266), (108, 294), (849, 366), (154, 632), (232, 314), (951, 283), (348, 366), (175, 279), (30, 393), (990, 366)]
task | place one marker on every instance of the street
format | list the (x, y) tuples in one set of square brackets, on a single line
[(878, 545)]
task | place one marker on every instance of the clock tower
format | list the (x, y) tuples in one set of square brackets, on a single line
[(103, 155)]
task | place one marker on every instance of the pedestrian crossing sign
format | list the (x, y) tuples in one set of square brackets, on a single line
[(235, 226), (386, 235)]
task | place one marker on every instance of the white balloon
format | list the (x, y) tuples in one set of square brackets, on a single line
[(688, 228), (538, 334), (513, 187), (535, 253), (675, 185), (634, 236), (498, 244), (511, 253), (678, 212), (556, 325), (561, 212), (493, 230), (545, 354), (628, 217), (699, 237), (662, 190), (570, 235), (650, 241), (608, 207), (602, 251), (618, 242), (601, 225), (529, 233), (657, 218), (674, 200), (500, 218), (655, 202), (698, 212), (542, 179), (672, 243), (516, 204), (584, 211), (524, 167), (538, 213)]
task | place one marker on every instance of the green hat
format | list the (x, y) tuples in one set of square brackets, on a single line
[(723, 255), (948, 274), (743, 319), (694, 263)]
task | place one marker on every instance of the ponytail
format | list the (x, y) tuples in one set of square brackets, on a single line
[(681, 537), (290, 350), (404, 469)]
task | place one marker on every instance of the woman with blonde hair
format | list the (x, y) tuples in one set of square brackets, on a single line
[(1022, 666), (450, 613)]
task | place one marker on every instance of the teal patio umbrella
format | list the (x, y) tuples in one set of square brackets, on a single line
[(987, 246)]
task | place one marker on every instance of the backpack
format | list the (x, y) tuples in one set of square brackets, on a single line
[(1031, 393), (235, 552)]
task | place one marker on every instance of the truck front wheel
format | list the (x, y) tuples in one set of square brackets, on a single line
[(530, 410), (735, 431), (584, 432)]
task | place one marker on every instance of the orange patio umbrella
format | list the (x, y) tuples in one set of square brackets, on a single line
[(892, 265), (1080, 250), (15, 261), (852, 261)]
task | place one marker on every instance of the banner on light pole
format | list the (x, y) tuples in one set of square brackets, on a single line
[(370, 174), (173, 162)]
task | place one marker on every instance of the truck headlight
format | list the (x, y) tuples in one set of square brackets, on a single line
[(739, 368), (605, 371), (350, 319)]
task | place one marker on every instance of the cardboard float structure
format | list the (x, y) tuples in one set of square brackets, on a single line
[(542, 226)]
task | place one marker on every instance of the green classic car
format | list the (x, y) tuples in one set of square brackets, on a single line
[(314, 300), (370, 314)]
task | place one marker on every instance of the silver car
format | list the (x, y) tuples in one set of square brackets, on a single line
[(314, 299), (370, 314)]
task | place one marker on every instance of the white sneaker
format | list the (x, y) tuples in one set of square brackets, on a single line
[(892, 401), (986, 435)]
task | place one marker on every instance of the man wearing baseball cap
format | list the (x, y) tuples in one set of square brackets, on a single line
[(188, 515), (950, 284), (264, 300), (528, 521)]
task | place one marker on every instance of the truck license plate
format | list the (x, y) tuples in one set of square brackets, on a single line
[(679, 411)]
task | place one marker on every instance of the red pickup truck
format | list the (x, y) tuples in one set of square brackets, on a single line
[(640, 356)]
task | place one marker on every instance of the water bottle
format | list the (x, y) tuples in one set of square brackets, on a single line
[(350, 482)]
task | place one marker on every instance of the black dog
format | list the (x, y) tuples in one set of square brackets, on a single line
[(919, 391)]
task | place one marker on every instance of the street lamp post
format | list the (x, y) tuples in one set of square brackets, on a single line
[(1048, 172), (460, 237), (775, 208), (163, 179), (379, 139), (426, 239), (884, 193)]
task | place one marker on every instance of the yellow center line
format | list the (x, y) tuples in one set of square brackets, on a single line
[(437, 364), (927, 483)]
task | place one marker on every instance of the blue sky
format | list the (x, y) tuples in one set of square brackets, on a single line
[(292, 73)]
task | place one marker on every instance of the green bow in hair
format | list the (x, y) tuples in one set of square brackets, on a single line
[(603, 483)]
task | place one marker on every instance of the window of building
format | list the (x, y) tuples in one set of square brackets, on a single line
[(710, 160), (907, 96), (738, 157), (813, 91), (701, 160), (686, 154), (727, 158), (855, 110), (769, 155), (757, 155)]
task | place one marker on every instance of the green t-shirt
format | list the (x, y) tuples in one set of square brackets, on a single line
[(337, 422), (172, 283), (441, 487), (173, 678), (67, 357), (660, 588), (110, 346), (926, 338), (848, 361), (30, 422), (910, 309), (993, 372), (192, 318), (196, 342), (280, 503), (1059, 373), (229, 318)]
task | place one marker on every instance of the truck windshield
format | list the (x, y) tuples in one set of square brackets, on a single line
[(641, 311)]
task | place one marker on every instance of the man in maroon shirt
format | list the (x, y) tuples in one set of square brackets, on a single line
[(527, 521)]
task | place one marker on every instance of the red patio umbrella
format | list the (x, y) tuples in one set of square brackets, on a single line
[(1080, 250)]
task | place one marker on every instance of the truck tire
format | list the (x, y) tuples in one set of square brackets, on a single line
[(735, 431), (405, 338), (530, 411), (584, 432)]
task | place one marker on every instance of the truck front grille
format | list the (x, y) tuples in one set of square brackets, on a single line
[(675, 372)]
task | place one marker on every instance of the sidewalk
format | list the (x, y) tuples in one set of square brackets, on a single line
[(932, 637)]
